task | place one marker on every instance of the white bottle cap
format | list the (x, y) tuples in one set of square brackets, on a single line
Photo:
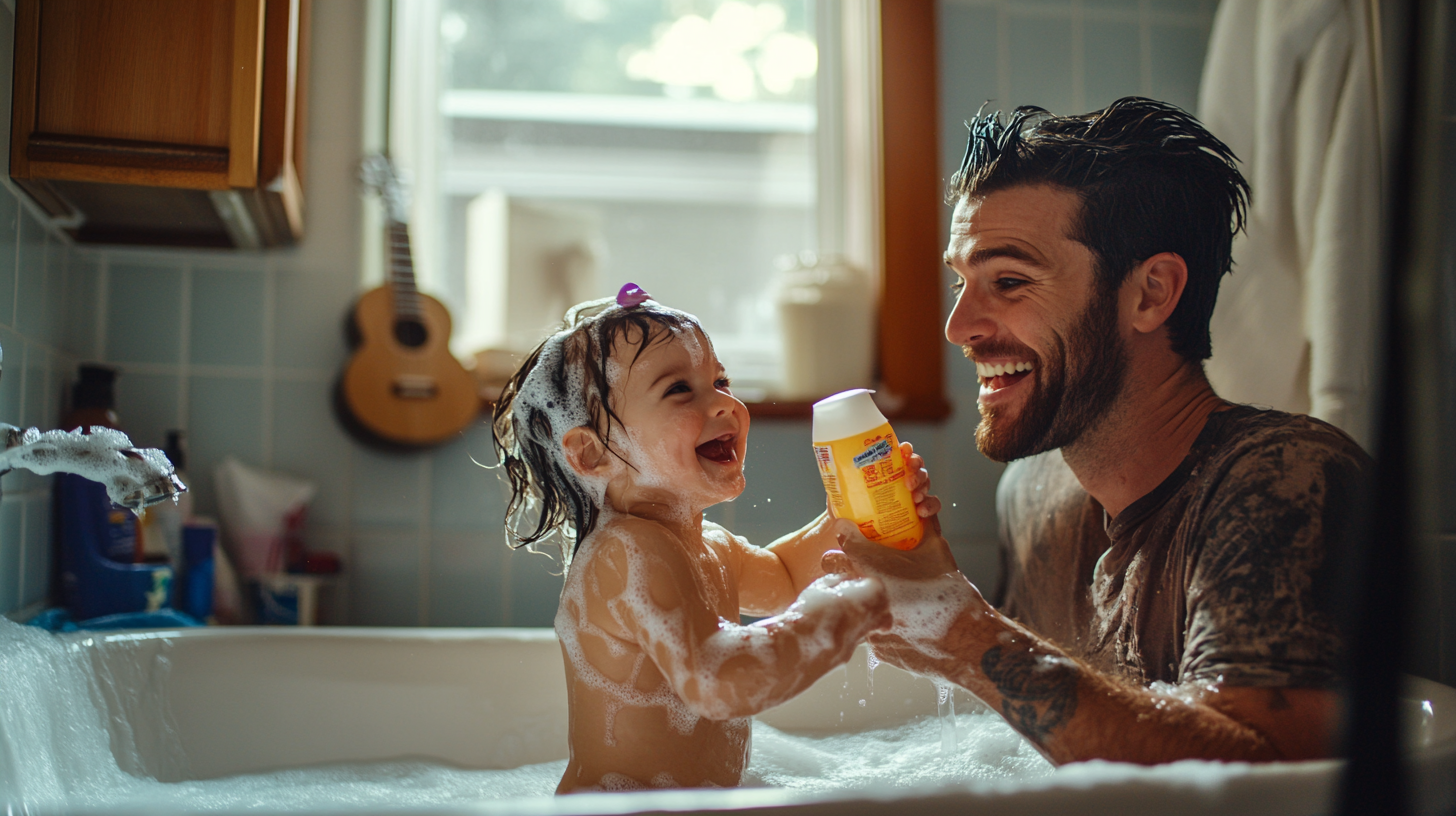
[(846, 414)]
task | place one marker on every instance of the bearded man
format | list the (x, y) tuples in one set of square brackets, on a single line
[(1168, 556)]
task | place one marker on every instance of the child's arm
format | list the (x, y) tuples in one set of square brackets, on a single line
[(669, 602), (770, 578)]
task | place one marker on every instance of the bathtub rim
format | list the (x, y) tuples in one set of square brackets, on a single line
[(1238, 781)]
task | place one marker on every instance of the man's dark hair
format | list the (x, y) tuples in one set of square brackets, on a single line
[(1151, 179)]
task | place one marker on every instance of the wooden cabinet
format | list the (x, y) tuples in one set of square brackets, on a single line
[(163, 122)]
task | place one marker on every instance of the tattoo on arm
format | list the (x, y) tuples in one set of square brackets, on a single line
[(1038, 694)]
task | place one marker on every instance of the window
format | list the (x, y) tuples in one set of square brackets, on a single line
[(559, 148)]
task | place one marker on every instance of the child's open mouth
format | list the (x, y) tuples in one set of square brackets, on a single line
[(720, 450)]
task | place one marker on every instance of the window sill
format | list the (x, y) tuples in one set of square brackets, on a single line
[(922, 410)]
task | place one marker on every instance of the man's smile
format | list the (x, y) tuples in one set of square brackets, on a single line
[(996, 376)]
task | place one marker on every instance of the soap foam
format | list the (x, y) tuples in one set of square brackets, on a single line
[(103, 455), (925, 610), (59, 753), (698, 667), (888, 759), (558, 388)]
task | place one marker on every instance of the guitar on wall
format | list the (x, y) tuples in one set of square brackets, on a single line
[(402, 388)]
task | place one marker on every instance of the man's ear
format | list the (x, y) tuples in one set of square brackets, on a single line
[(1159, 282), (584, 451)]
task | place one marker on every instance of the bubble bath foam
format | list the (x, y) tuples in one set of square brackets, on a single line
[(863, 470)]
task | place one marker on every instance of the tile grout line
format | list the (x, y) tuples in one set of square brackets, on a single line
[(14, 319), (103, 306), (50, 419), (21, 421), (426, 485), (506, 563), (1145, 48), (224, 372), (24, 549), (269, 408), (24, 380), (1003, 56), (1079, 59), (184, 352)]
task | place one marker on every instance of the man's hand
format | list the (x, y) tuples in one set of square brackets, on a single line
[(930, 600), (930, 558)]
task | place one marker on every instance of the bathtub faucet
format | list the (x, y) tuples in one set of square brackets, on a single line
[(134, 477)]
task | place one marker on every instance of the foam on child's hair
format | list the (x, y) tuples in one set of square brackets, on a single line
[(566, 406)]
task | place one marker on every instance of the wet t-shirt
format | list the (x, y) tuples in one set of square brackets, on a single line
[(1225, 570)]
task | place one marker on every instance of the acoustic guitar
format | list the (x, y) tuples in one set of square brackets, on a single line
[(402, 388)]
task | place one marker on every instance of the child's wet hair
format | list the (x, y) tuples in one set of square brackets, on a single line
[(564, 384)]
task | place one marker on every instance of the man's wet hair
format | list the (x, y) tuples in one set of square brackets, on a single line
[(1151, 179), (547, 497)]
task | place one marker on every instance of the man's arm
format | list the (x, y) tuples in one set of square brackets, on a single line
[(1069, 710)]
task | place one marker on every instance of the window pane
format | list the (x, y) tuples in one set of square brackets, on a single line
[(735, 50), (680, 134)]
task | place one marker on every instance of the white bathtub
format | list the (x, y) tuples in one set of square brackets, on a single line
[(216, 702)]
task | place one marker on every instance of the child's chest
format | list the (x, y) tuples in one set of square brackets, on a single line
[(716, 579)]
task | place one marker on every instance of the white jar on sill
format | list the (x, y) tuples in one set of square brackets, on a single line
[(827, 326)]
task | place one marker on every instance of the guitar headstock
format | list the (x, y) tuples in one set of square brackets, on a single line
[(379, 174)]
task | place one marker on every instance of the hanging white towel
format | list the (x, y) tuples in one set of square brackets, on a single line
[(1288, 85)]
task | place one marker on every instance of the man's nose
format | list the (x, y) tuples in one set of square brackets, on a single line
[(970, 321)]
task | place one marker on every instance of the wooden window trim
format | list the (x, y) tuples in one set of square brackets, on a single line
[(910, 344)]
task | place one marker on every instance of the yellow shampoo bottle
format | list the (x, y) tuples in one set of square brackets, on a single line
[(864, 474)]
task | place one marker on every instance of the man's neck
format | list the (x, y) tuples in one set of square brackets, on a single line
[(1144, 437)]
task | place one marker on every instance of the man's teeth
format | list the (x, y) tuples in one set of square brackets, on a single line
[(999, 369)]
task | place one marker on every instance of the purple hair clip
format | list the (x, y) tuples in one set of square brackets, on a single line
[(631, 295)]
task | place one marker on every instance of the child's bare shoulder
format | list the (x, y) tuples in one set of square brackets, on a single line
[(622, 539), (723, 538)]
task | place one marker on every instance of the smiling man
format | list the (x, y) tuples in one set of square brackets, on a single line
[(1168, 555)]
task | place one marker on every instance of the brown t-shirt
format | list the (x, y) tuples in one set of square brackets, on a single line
[(1225, 570)]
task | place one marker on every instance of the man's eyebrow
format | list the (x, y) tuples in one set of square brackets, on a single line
[(985, 254)]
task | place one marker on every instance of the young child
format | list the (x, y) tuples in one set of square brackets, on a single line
[(616, 433)]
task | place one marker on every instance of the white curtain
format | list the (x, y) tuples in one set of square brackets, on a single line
[(1290, 86)]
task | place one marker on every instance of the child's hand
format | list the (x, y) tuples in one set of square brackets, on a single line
[(917, 478)]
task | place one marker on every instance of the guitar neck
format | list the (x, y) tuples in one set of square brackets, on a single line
[(402, 273)]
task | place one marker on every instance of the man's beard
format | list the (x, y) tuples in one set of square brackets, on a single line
[(1062, 405)]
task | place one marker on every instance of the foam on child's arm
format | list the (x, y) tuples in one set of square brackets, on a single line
[(737, 670)]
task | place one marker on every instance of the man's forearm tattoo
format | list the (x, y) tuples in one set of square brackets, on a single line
[(1038, 693)]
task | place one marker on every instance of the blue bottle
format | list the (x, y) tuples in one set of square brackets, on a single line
[(97, 542)]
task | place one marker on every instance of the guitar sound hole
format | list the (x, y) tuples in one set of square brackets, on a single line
[(410, 333)]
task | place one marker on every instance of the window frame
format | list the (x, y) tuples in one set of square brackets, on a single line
[(887, 170)]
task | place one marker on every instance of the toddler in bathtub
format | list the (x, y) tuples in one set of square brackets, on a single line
[(616, 433)]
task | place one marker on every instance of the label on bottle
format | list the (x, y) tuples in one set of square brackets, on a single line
[(864, 476), (121, 535)]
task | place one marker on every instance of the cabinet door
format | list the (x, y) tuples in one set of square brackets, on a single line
[(163, 122), (154, 92)]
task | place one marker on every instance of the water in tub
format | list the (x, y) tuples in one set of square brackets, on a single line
[(63, 750)]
